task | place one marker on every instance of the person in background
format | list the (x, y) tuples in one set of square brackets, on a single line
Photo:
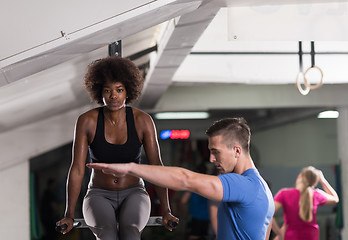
[(300, 206), (213, 209), (199, 224), (114, 207), (246, 204)]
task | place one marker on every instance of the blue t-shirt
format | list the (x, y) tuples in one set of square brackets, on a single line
[(247, 206), (198, 207)]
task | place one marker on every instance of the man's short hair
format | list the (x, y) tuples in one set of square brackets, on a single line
[(233, 130)]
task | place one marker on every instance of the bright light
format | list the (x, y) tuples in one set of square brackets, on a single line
[(165, 134), (329, 114), (182, 115), (175, 134)]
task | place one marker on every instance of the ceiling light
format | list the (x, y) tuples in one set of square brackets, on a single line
[(182, 115), (328, 114)]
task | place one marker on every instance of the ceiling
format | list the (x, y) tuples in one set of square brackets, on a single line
[(184, 49)]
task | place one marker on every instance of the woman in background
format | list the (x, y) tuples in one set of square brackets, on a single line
[(300, 206)]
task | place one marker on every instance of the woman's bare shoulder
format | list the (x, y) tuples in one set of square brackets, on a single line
[(89, 116), (141, 115), (143, 121)]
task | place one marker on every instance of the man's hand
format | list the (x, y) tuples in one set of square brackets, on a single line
[(115, 169)]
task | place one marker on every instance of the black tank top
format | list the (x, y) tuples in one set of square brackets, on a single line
[(101, 151)]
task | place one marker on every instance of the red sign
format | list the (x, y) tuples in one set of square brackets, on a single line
[(175, 134)]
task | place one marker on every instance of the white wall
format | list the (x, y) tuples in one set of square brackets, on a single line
[(17, 147), (342, 132), (14, 201), (307, 142)]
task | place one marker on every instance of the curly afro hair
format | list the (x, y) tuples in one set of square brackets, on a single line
[(113, 69)]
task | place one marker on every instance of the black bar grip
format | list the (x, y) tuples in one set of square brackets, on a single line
[(172, 224), (60, 228), (63, 227)]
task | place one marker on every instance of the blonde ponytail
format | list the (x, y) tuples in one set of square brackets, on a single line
[(310, 178), (306, 205)]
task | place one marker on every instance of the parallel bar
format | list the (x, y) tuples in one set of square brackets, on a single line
[(153, 221), (81, 223)]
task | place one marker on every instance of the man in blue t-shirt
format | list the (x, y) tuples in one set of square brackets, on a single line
[(246, 203)]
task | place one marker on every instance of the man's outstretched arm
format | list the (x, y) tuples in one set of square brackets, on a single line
[(176, 178)]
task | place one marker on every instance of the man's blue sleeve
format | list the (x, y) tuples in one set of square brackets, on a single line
[(237, 188)]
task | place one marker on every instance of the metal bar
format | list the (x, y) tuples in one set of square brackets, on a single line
[(264, 53), (81, 223), (142, 53), (300, 53), (312, 54), (153, 221)]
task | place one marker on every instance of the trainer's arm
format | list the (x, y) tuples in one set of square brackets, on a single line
[(177, 178)]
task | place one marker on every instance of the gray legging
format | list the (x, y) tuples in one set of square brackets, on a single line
[(113, 215)]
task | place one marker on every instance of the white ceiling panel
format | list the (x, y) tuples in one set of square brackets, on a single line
[(306, 22), (43, 21), (215, 59)]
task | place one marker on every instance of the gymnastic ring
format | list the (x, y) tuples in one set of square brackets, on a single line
[(305, 91), (312, 87)]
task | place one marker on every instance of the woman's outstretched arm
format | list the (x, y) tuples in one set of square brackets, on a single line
[(332, 197)]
